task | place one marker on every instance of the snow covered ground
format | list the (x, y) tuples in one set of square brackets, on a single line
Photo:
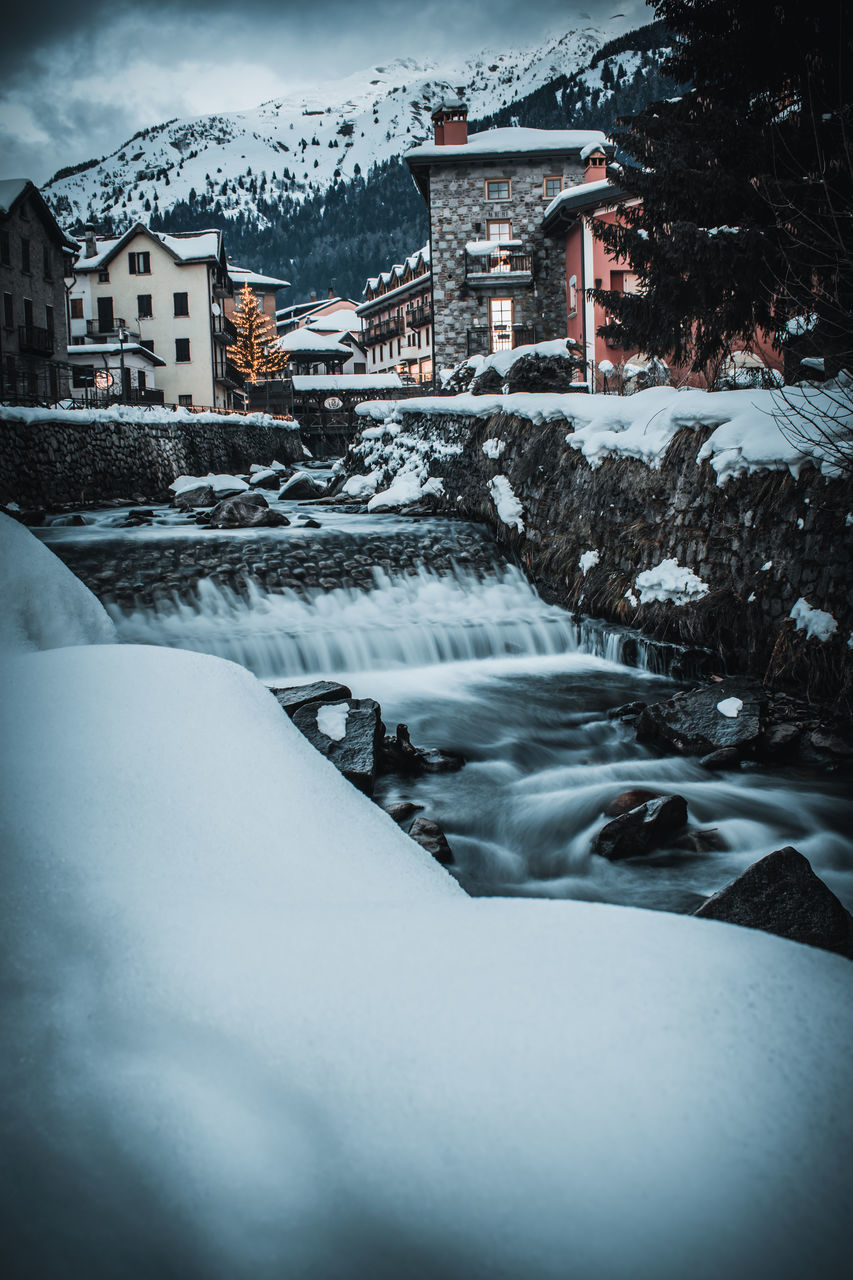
[(141, 413), (254, 1030)]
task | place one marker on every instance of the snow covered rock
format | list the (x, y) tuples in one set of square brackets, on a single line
[(690, 723), (355, 751), (291, 699), (362, 487), (246, 511), (302, 486), (650, 826), (223, 486), (266, 478), (669, 581), (199, 495), (44, 606), (509, 509), (781, 894), (816, 623)]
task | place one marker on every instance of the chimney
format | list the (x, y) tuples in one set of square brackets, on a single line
[(91, 242), (313, 296), (331, 292), (595, 166), (450, 123)]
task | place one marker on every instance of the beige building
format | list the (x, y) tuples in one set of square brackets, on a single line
[(166, 293), (397, 317)]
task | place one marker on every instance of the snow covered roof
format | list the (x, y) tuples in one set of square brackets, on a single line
[(414, 262), (498, 142), (319, 343), (341, 321), (10, 189), (581, 197), (243, 275), (347, 382), (114, 348), (189, 246)]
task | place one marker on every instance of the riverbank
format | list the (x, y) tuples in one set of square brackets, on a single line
[(686, 515)]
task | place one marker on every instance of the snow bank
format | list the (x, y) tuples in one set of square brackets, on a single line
[(509, 509), (493, 448), (135, 413), (747, 426), (588, 561), (361, 486), (255, 1030), (44, 606), (405, 489), (815, 622), (669, 581)]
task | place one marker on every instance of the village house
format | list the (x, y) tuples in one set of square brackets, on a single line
[(35, 257), (301, 314), (164, 293), (397, 317), (265, 289), (496, 280)]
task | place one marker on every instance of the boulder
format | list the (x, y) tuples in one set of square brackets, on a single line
[(627, 711), (400, 756), (291, 699), (691, 723), (301, 486), (459, 379), (403, 810), (781, 894), (726, 758), (430, 836), (487, 383), (246, 511), (200, 496), (629, 800), (267, 479), (642, 830), (352, 740)]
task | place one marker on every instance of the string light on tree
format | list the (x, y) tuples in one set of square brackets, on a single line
[(256, 352)]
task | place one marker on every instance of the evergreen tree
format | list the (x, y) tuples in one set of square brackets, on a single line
[(740, 179), (255, 353)]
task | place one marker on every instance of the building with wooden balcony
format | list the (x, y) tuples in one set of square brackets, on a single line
[(397, 317), (35, 258), (498, 280), (167, 294)]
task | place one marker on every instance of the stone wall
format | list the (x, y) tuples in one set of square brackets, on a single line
[(635, 517), (457, 208), (83, 460)]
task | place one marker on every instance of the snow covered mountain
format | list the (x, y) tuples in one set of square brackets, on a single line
[(299, 144)]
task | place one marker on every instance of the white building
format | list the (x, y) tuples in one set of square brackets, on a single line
[(166, 293)]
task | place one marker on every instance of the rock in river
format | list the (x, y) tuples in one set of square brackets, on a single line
[(705, 720), (781, 894), (430, 836), (294, 697), (348, 733), (245, 511), (643, 829)]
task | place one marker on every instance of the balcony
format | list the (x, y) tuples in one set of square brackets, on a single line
[(483, 340), (94, 330), (504, 267), (383, 331), (230, 376), (34, 340), (223, 330), (420, 316)]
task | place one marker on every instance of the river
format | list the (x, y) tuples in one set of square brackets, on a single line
[(427, 617)]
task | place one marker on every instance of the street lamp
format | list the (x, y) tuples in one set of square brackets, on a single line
[(123, 337)]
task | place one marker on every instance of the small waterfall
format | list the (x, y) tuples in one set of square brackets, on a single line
[(411, 620)]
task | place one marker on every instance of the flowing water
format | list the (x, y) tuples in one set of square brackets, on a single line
[(426, 618)]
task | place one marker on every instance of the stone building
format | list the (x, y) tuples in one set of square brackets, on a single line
[(497, 280), (397, 318), (35, 256)]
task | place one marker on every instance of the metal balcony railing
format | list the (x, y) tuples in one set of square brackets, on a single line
[(38, 341), (500, 263), (95, 330), (419, 316), (484, 339), (223, 329), (383, 330)]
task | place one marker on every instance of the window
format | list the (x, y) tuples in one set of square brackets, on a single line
[(499, 230), (103, 277), (141, 380), (185, 400), (573, 295), (76, 308), (553, 186), (498, 189), (139, 264), (182, 304), (5, 249), (47, 262), (83, 375), (8, 311), (617, 281), (500, 323), (143, 306), (48, 319), (25, 255), (182, 350)]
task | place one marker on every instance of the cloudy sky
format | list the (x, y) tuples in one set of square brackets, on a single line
[(77, 80)]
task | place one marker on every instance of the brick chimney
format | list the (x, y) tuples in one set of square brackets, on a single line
[(450, 123), (90, 241), (331, 292), (595, 166)]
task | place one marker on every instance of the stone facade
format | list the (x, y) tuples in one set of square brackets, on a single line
[(460, 212), (79, 461)]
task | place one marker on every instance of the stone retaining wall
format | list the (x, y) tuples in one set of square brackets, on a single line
[(82, 460), (635, 517)]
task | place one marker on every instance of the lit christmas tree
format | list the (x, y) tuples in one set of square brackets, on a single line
[(255, 353)]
